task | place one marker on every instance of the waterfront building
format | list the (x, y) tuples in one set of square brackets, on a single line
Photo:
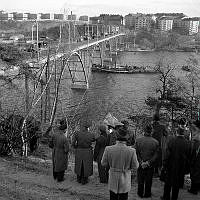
[(72, 17), (84, 18), (165, 23), (94, 20), (58, 16), (32, 16), (20, 16), (45, 16), (191, 25), (106, 19), (143, 21), (186, 25)]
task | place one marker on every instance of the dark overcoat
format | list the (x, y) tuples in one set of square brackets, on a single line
[(101, 143), (60, 145), (195, 162), (176, 160), (82, 142)]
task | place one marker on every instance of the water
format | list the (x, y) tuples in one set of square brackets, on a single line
[(121, 94)]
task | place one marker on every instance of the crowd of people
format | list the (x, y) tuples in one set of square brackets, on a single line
[(159, 151)]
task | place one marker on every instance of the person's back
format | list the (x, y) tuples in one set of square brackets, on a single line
[(159, 130), (120, 156), (120, 159), (146, 147), (84, 139), (176, 164)]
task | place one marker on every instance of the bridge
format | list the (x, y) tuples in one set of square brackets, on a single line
[(72, 65)]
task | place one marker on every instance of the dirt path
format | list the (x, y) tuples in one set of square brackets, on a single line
[(32, 180)]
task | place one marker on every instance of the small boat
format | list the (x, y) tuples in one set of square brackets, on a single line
[(122, 69), (186, 68)]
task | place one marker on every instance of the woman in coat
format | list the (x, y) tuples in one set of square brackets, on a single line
[(82, 142), (60, 145), (100, 146), (195, 159)]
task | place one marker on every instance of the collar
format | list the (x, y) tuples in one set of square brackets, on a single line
[(121, 142)]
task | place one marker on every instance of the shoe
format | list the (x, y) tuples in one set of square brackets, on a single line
[(192, 192)]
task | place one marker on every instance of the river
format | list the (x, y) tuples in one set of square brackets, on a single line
[(122, 94)]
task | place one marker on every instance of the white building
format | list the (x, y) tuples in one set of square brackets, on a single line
[(165, 23)]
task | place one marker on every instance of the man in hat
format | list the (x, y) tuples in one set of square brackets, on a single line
[(131, 137), (60, 145), (175, 163), (120, 159), (82, 142), (147, 152)]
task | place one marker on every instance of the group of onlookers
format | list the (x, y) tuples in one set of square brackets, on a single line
[(158, 152)]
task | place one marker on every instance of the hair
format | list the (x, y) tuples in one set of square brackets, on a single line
[(121, 134), (147, 130), (62, 124), (156, 117)]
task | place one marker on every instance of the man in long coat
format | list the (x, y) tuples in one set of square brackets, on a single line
[(120, 159), (82, 142), (101, 143), (195, 159), (175, 163), (60, 145), (159, 132)]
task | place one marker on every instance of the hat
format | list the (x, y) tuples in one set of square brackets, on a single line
[(110, 120), (62, 124), (86, 123), (102, 128), (125, 122), (122, 134)]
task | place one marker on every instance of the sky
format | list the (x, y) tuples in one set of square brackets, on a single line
[(95, 7)]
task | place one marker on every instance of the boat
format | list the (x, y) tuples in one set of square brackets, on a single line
[(123, 69), (186, 68)]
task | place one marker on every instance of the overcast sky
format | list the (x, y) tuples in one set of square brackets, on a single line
[(96, 7)]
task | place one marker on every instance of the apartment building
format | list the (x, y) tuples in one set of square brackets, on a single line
[(191, 25), (130, 21), (116, 20), (72, 17), (20, 16), (84, 18), (165, 23), (143, 21), (186, 25)]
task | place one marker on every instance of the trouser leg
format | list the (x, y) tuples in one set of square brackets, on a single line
[(175, 191), (84, 179), (103, 174), (113, 196), (140, 178), (194, 187), (60, 176), (167, 190), (148, 182), (123, 196)]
